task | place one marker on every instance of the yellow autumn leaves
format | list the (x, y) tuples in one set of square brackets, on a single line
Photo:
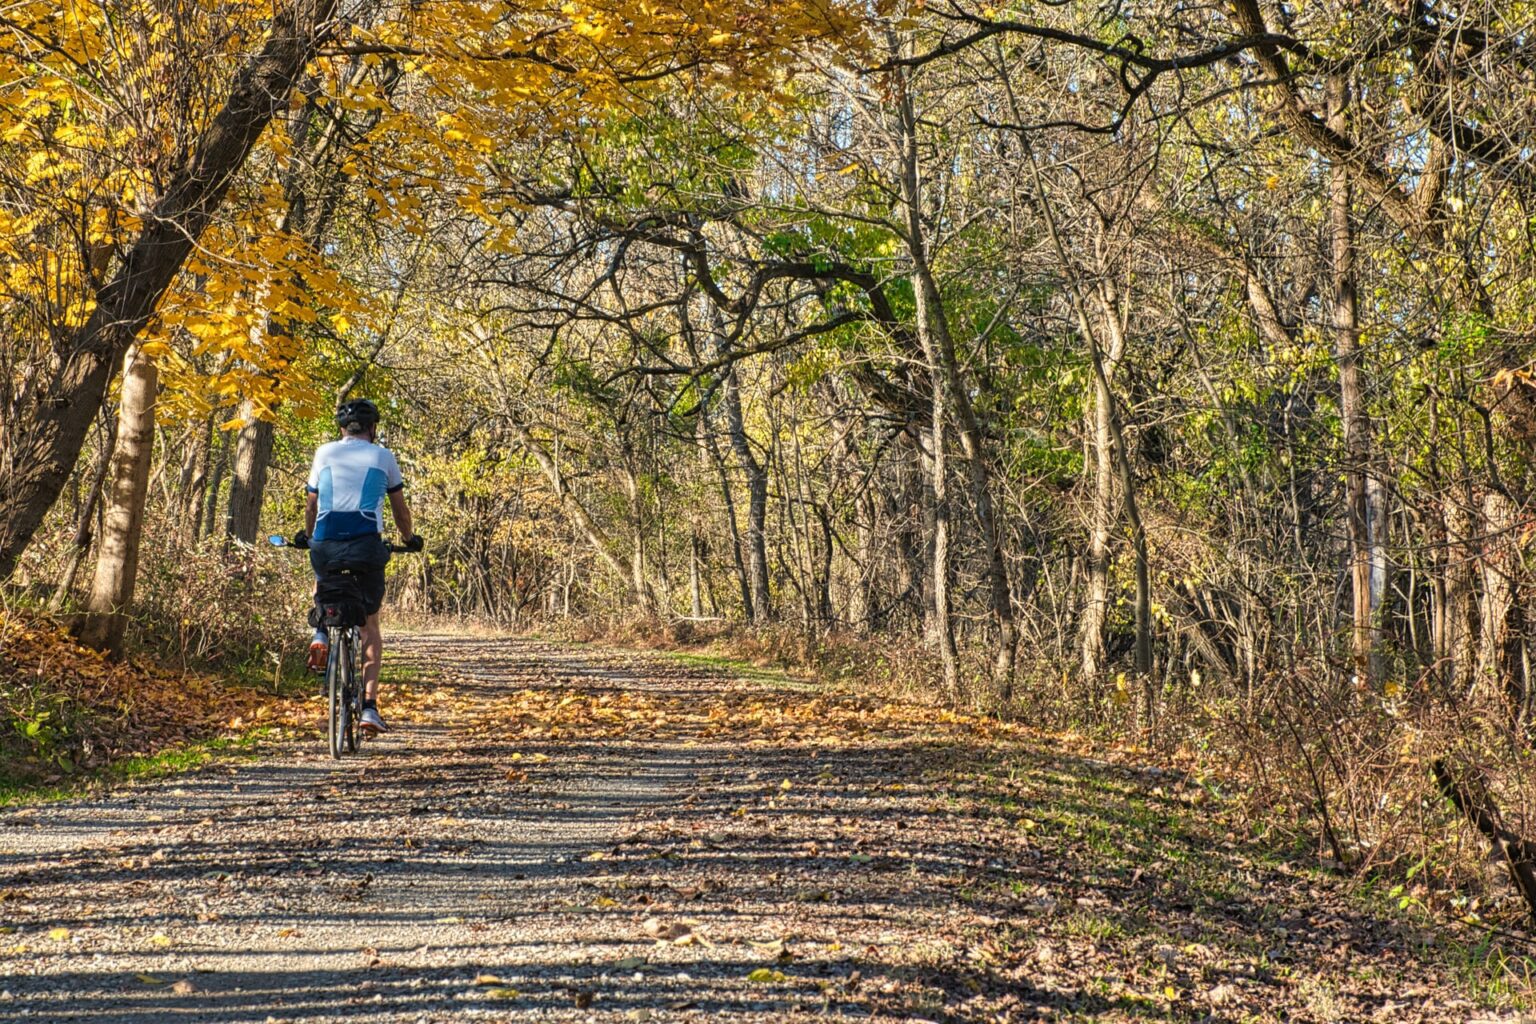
[(100, 99)]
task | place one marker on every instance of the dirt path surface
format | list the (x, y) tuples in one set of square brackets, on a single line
[(582, 834)]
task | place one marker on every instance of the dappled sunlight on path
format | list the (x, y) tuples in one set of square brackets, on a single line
[(574, 833)]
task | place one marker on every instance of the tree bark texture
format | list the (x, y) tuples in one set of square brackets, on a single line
[(760, 606), (1362, 519), (117, 559), (938, 346), (248, 481)]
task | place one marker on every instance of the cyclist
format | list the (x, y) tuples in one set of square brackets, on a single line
[(343, 522)]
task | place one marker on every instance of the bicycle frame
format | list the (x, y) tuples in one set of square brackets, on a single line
[(343, 676)]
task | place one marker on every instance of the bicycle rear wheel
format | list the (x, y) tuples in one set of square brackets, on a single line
[(354, 690), (337, 668)]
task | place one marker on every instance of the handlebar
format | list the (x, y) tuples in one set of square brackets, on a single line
[(299, 540)]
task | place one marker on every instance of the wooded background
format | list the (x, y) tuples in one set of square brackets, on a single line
[(1161, 371)]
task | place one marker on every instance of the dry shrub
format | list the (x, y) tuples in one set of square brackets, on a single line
[(1348, 773), (222, 605)]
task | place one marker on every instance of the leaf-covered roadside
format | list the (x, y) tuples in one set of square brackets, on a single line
[(66, 709)]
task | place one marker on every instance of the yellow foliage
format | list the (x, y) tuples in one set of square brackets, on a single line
[(95, 111)]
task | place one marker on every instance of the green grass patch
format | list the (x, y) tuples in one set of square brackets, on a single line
[(738, 668), (171, 761)]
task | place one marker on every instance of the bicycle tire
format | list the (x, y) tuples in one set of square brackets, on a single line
[(354, 690), (335, 691)]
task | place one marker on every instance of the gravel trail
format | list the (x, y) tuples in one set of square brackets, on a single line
[(582, 834), (378, 888)]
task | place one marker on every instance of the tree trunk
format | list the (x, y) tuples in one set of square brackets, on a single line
[(1362, 519), (760, 608), (194, 485), (117, 561), (743, 578), (1456, 642), (863, 612), (248, 482), (43, 444), (209, 511), (695, 593), (1112, 303), (1468, 793), (637, 573), (934, 335), (1101, 519), (927, 315), (1502, 648)]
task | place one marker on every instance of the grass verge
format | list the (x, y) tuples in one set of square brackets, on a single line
[(171, 761)]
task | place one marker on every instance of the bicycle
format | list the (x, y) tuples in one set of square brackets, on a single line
[(344, 665)]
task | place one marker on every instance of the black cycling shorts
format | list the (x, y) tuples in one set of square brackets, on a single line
[(365, 557)]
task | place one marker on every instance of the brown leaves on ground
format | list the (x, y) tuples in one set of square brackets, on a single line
[(67, 707), (753, 717)]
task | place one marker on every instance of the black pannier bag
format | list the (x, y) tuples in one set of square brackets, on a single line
[(338, 602)]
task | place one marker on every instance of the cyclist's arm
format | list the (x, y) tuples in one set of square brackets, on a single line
[(402, 514), (311, 510)]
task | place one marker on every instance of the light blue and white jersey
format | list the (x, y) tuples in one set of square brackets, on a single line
[(351, 477)]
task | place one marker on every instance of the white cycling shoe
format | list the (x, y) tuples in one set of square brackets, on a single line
[(371, 723)]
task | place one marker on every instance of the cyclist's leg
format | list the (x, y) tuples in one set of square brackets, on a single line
[(373, 656), (371, 583)]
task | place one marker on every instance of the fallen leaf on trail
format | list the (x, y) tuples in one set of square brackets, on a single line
[(671, 931), (1222, 994), (786, 785), (775, 949), (501, 993), (150, 979), (183, 987), (160, 939), (287, 933), (629, 963), (487, 979), (59, 934), (455, 919), (766, 976)]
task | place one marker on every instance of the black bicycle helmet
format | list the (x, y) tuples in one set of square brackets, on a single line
[(357, 416)]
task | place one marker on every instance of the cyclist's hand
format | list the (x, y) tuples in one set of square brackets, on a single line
[(416, 543), (301, 539)]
